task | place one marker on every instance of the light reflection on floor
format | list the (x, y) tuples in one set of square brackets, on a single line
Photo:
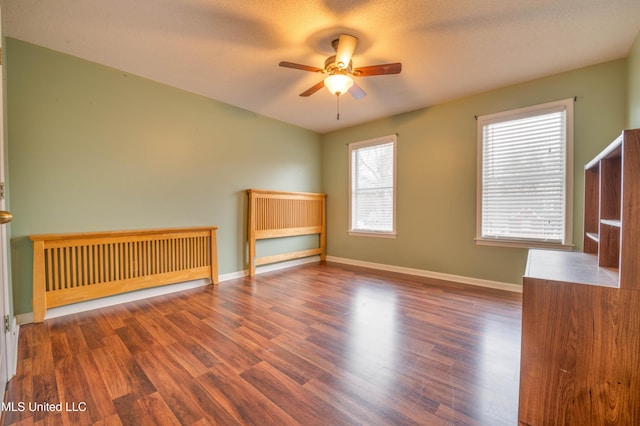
[(499, 363), (373, 332)]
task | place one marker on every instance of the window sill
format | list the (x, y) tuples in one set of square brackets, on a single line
[(523, 244), (372, 234)]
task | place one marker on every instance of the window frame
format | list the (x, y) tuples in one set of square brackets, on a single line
[(530, 111), (354, 146)]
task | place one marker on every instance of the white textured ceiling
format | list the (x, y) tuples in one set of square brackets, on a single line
[(229, 50)]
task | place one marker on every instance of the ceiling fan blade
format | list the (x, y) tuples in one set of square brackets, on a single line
[(356, 92), (382, 69), (300, 67), (346, 47), (310, 91)]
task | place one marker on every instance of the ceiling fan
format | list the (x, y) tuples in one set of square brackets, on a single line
[(340, 72)]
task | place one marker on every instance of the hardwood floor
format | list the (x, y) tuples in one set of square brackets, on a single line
[(321, 344)]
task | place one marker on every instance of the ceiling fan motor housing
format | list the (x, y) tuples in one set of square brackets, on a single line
[(332, 67)]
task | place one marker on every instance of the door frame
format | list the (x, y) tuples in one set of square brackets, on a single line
[(8, 322)]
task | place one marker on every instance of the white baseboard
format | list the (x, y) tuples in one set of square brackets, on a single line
[(233, 276), (287, 264), (429, 274)]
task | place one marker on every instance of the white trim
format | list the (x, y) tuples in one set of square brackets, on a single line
[(522, 244), (393, 139), (285, 265), (118, 299), (516, 288), (26, 318), (373, 234), (233, 275), (566, 105), (12, 350)]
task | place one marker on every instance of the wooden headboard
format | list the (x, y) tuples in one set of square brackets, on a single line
[(71, 268), (276, 214)]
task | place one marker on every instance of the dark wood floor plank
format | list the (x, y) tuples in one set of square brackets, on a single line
[(240, 400), (42, 361), (298, 402), (109, 318), (317, 344), (309, 351), (127, 409), (154, 411), (74, 389), (360, 401), (120, 372), (157, 330), (135, 337), (101, 402), (294, 366), (191, 356), (216, 342), (171, 381), (93, 332)]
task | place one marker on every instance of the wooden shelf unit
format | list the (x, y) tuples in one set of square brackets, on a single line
[(580, 361), (603, 202)]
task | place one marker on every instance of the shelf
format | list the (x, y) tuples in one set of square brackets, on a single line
[(613, 150), (569, 267), (603, 202), (611, 222)]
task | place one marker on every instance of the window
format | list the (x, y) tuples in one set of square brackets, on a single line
[(525, 184), (372, 187)]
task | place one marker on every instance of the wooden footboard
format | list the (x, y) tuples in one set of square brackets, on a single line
[(276, 214), (71, 268)]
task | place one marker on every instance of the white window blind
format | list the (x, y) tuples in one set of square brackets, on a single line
[(372, 186), (524, 175)]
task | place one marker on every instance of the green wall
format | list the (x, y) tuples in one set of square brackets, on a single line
[(634, 85), (92, 148), (437, 173)]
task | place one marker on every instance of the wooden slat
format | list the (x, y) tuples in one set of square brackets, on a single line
[(39, 286), (213, 254), (139, 235), (286, 232), (264, 260)]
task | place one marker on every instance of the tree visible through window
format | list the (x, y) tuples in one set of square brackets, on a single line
[(525, 176), (372, 186)]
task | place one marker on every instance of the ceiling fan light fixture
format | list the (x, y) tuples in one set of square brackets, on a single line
[(338, 84)]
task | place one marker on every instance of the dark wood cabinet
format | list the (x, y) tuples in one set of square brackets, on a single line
[(581, 310)]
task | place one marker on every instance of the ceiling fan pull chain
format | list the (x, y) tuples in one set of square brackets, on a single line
[(338, 107)]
